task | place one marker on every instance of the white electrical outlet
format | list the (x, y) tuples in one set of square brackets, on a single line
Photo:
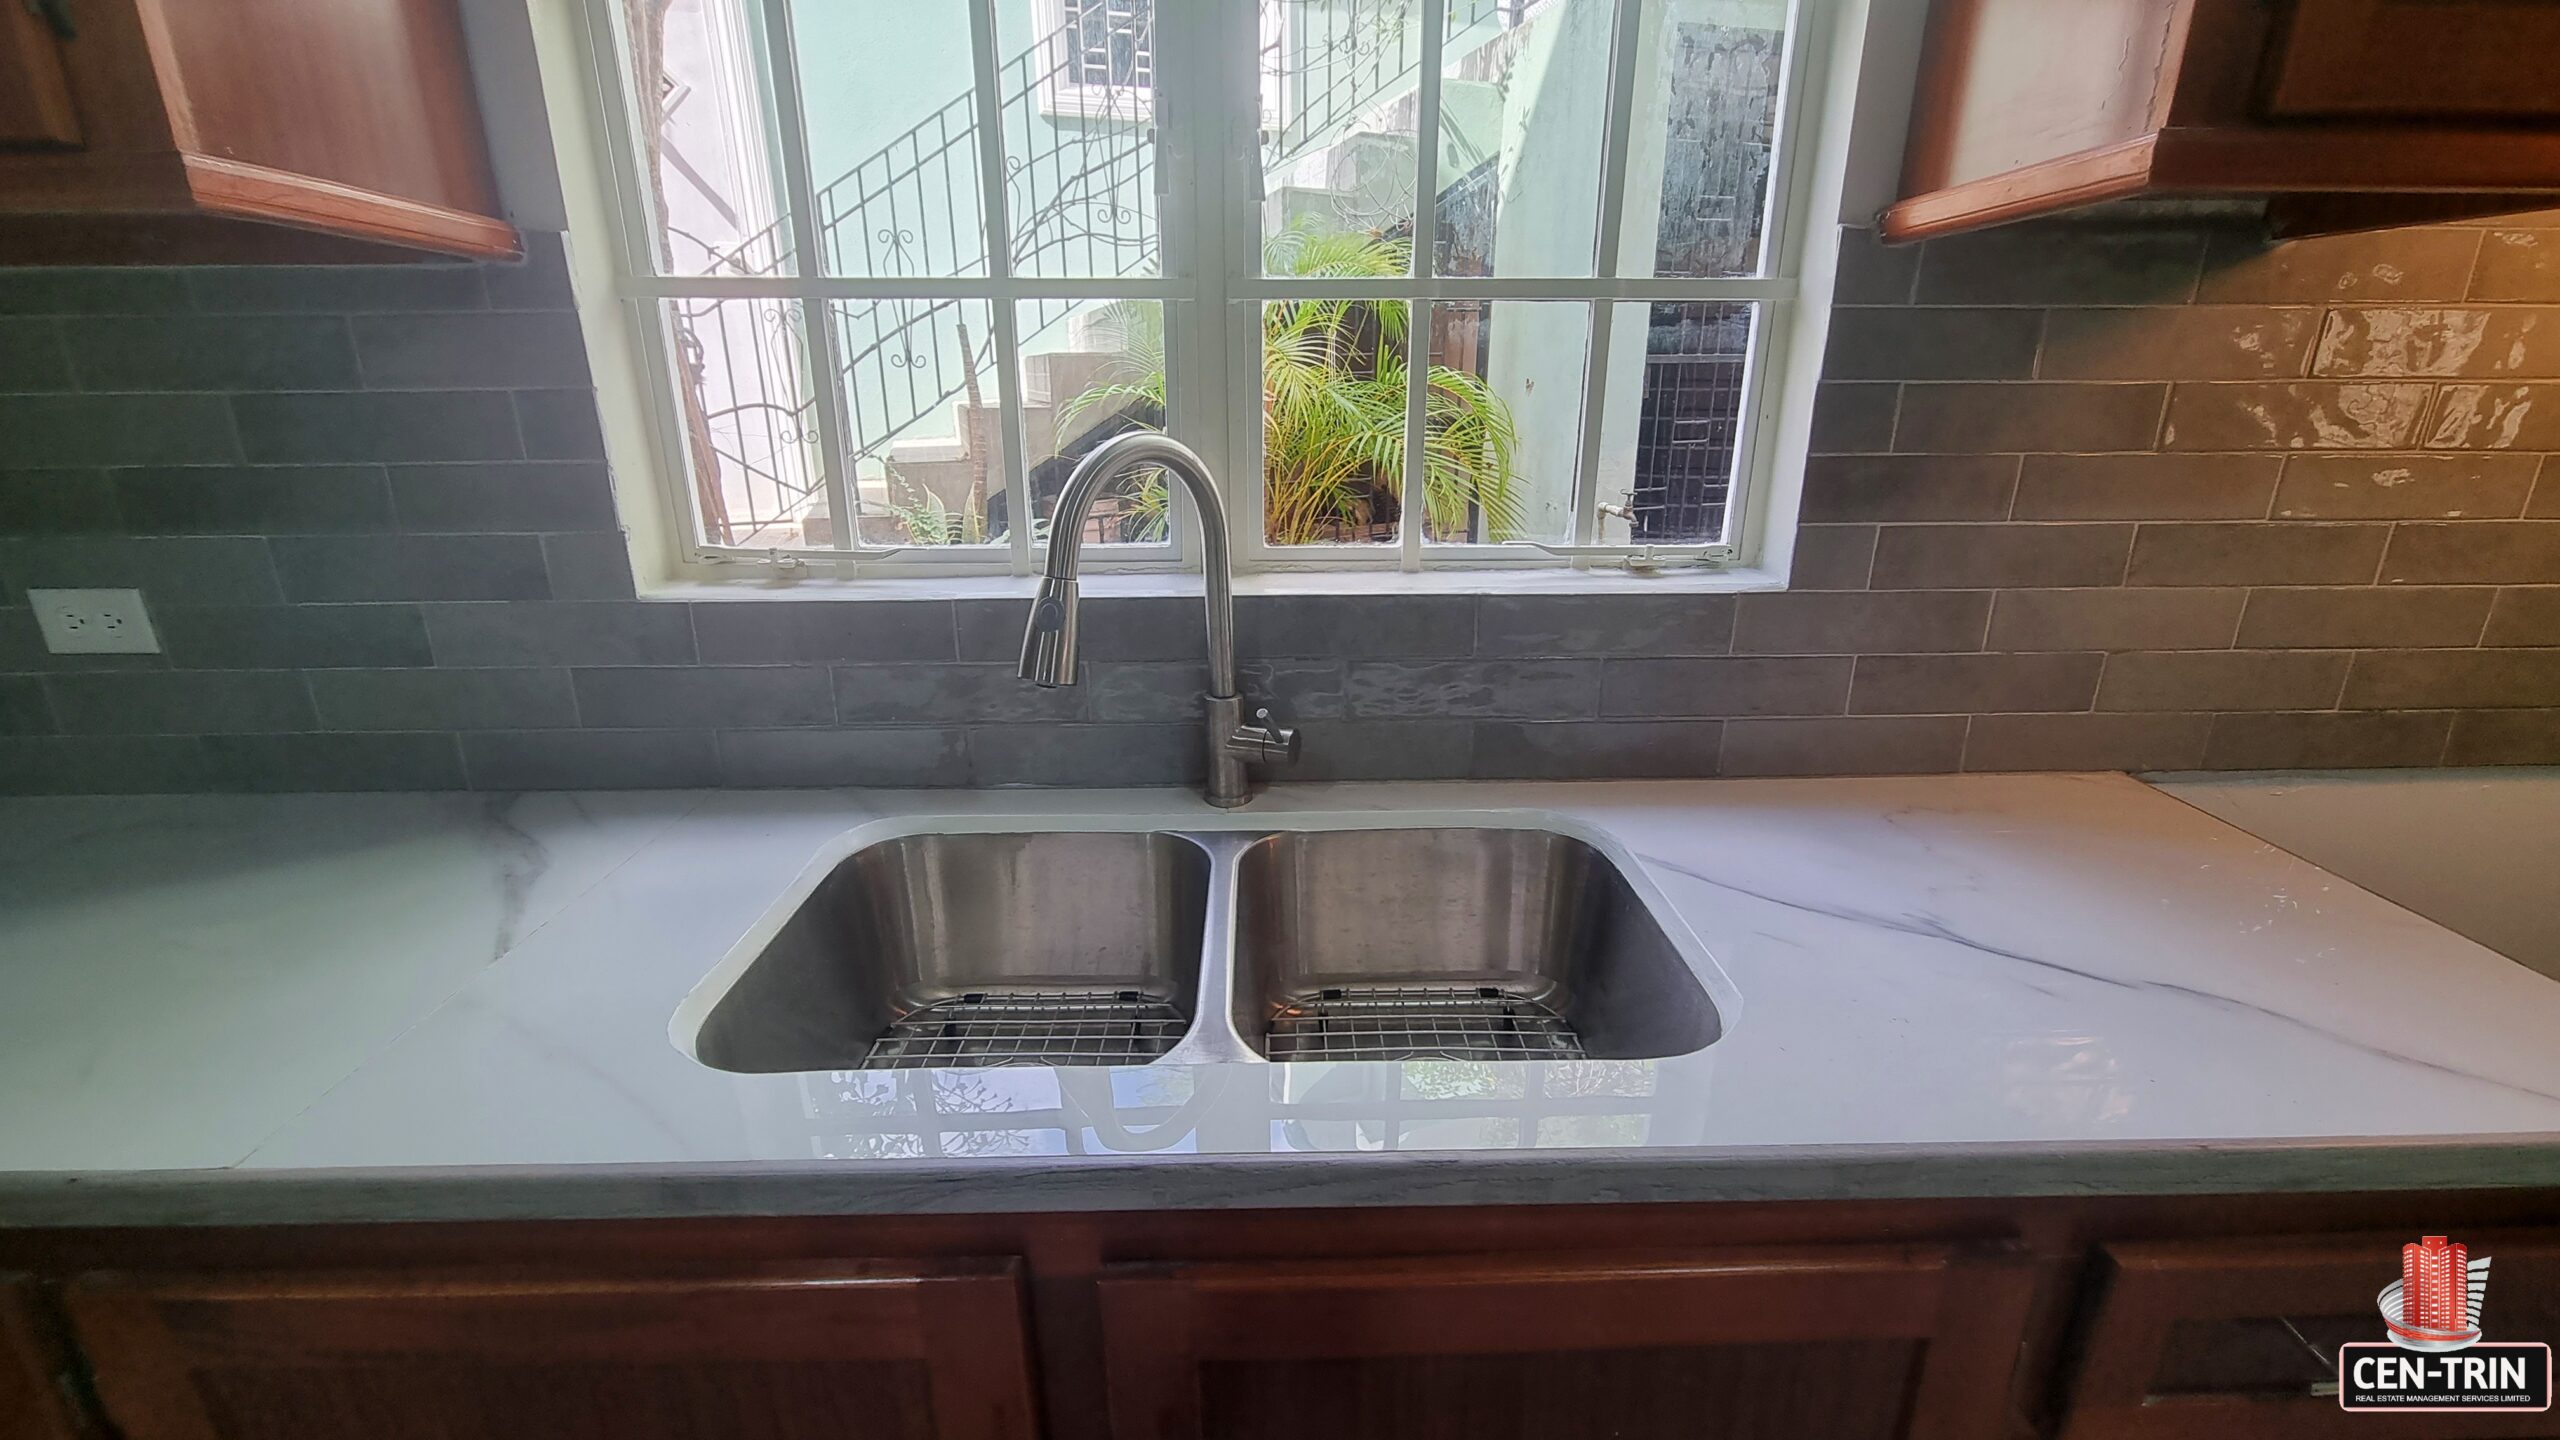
[(94, 622)]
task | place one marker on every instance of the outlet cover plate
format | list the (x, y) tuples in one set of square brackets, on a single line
[(94, 622)]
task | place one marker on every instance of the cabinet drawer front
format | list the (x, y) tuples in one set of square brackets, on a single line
[(917, 1352), (2480, 59), (1845, 1342), (2238, 1338)]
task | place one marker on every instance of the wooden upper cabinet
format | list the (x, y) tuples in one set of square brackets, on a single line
[(2368, 111), (342, 118), (35, 1399), (1842, 1342), (35, 94), (2495, 58), (923, 1351), (2237, 1339)]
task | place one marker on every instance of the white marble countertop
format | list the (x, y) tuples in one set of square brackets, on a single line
[(338, 1007)]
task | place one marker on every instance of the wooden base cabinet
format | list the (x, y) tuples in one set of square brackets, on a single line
[(786, 1352), (1843, 1343), (36, 1384), (2238, 1340)]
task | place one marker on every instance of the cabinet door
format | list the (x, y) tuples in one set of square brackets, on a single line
[(758, 1353), (2239, 1338), (2481, 58), (35, 95), (1838, 1343), (34, 1403)]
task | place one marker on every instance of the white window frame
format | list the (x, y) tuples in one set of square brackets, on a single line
[(1207, 181)]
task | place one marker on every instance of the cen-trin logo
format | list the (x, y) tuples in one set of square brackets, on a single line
[(2434, 1359)]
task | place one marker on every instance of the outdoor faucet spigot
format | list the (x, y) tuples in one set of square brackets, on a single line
[(1049, 637)]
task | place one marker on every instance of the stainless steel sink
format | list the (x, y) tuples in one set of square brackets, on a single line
[(1220, 943), (1458, 943), (1052, 948)]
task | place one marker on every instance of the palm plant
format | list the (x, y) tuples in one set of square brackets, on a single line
[(1333, 403)]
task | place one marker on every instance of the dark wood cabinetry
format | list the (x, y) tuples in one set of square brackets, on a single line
[(35, 94), (1846, 1342), (2239, 1338), (35, 1402), (2161, 1318), (2342, 112), (925, 1352), (183, 129)]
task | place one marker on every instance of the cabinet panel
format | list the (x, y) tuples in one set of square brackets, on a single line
[(2419, 57), (927, 1352), (35, 93), (1840, 1343), (2239, 1338), (33, 1404)]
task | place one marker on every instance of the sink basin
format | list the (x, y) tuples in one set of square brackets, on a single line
[(1457, 943), (1049, 948), (1217, 942)]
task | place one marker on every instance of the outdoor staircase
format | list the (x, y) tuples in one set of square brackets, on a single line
[(905, 365)]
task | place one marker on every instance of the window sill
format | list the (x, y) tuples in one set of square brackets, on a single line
[(1333, 582)]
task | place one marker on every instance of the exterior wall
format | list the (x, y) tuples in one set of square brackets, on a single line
[(2085, 497)]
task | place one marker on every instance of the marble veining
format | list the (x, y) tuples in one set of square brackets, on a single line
[(1938, 985)]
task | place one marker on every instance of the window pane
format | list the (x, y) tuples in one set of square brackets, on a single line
[(1078, 95), (1503, 426), (1524, 109), (1705, 121), (707, 159), (1670, 445), (1333, 390), (749, 424), (1338, 127), (1091, 370), (893, 142), (924, 420)]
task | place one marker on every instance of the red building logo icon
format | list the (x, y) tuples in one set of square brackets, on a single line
[(2434, 1307)]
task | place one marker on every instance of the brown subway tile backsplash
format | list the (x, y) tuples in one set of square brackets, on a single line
[(1964, 684), (2405, 487), (1854, 488), (2452, 679), (1983, 557), (2373, 267), (2087, 742), (2317, 741), (2224, 680), (2115, 619), (2526, 553), (1969, 419), (2524, 616), (2146, 487), (2296, 415), (1801, 622), (2236, 554), (2204, 342), (2365, 618)]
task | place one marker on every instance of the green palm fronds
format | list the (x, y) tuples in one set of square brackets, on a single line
[(1333, 402)]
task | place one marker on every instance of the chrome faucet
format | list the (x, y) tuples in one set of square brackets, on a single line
[(1049, 642)]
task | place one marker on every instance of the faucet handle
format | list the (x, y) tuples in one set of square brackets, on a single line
[(1262, 742)]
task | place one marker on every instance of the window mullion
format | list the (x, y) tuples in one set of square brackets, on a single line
[(817, 324), (997, 223), (1417, 320), (1624, 52)]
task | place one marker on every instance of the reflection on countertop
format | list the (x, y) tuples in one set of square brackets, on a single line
[(1981, 984)]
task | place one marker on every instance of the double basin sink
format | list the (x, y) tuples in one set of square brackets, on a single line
[(1063, 946)]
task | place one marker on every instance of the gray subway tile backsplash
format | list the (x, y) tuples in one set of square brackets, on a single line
[(2082, 496), (412, 567)]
